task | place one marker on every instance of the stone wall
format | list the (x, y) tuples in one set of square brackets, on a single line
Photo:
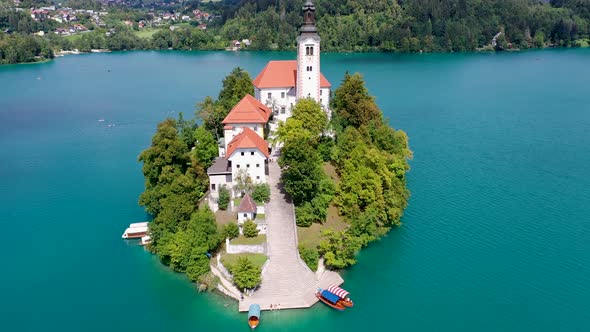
[(239, 249)]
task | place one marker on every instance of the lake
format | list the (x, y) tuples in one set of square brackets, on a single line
[(496, 236)]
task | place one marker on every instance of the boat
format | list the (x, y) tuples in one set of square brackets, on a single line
[(135, 232), (342, 294), (253, 315), (145, 240), (330, 299)]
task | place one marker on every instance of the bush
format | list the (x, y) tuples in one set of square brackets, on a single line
[(230, 231), (261, 193), (304, 215), (249, 228), (246, 274), (310, 256), (224, 197)]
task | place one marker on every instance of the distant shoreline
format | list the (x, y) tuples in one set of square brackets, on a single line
[(63, 53)]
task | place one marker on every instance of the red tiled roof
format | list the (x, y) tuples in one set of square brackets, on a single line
[(247, 139), (247, 204), (248, 110), (282, 74)]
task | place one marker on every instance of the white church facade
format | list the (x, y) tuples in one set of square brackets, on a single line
[(277, 88)]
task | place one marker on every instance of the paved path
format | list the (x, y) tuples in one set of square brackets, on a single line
[(286, 280)]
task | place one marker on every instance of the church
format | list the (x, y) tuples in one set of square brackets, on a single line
[(244, 152)]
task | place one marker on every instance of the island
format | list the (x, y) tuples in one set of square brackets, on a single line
[(277, 184)]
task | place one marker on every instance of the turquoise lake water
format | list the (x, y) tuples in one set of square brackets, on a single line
[(496, 237)]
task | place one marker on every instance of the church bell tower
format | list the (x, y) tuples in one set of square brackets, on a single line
[(308, 56)]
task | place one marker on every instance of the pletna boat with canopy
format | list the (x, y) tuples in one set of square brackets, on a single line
[(342, 294), (330, 299), (253, 315)]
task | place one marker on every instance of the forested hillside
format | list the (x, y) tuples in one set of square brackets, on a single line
[(411, 26)]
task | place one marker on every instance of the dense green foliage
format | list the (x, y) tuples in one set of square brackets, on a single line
[(230, 231), (261, 193), (411, 26), (249, 229), (246, 275), (18, 48), (175, 181), (174, 167), (212, 112), (370, 158), (223, 199), (310, 256)]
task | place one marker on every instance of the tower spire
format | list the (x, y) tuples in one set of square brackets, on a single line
[(308, 18)]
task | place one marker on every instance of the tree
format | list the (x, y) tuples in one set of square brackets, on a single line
[(212, 114), (249, 229), (311, 116), (310, 256), (167, 149), (246, 275), (224, 197), (205, 146), (302, 170), (230, 231), (243, 182), (236, 86), (339, 249), (353, 103), (261, 192)]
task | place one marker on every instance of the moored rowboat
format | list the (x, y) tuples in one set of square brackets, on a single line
[(330, 299), (342, 294), (253, 315)]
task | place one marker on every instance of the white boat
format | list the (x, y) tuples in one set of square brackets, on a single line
[(139, 224), (145, 240), (135, 232)]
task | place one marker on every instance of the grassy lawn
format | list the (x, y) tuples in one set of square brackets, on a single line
[(237, 202), (260, 216), (331, 172), (310, 236), (229, 259), (225, 217), (260, 239), (146, 33), (73, 38)]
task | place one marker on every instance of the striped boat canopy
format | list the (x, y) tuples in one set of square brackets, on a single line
[(338, 291)]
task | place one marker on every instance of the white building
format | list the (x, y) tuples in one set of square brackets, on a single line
[(248, 113), (281, 83), (244, 152)]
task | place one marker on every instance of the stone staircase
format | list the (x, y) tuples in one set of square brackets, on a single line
[(286, 280)]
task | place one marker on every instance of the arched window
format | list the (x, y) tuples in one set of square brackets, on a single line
[(309, 50)]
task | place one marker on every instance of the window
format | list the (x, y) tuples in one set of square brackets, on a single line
[(242, 153), (252, 153), (238, 166), (269, 95), (257, 165), (245, 215), (309, 50), (282, 109), (247, 165), (282, 95), (321, 100), (258, 178), (213, 186), (320, 92)]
